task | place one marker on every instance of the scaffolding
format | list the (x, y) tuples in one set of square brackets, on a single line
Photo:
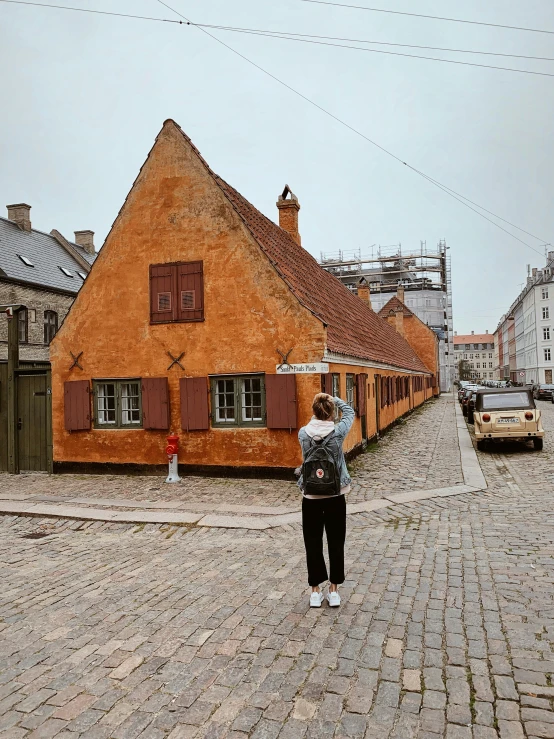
[(425, 275)]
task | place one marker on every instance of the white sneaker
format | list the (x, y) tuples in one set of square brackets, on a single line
[(333, 598), (316, 599)]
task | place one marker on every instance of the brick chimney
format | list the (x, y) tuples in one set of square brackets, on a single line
[(20, 214), (288, 213), (86, 240), (400, 292), (399, 321), (364, 292)]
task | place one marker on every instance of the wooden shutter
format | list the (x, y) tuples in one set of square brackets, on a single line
[(155, 403), (361, 393), (280, 401), (195, 415), (190, 292), (327, 383), (163, 302), (77, 405)]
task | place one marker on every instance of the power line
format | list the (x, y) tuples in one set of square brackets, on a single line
[(377, 43), (381, 51), (438, 184), (278, 33), (432, 17), (457, 196), (96, 12)]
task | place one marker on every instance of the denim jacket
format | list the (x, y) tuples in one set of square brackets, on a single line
[(341, 430)]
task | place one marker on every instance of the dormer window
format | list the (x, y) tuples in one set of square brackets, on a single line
[(66, 272), (25, 260)]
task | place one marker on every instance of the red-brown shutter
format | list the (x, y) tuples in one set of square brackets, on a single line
[(361, 393), (77, 405), (190, 291), (162, 282), (327, 383), (195, 414), (280, 401), (155, 403)]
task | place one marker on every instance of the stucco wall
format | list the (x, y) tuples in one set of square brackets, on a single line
[(176, 212)]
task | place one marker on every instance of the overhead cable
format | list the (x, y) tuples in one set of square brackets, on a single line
[(438, 184), (376, 43), (431, 17), (388, 53)]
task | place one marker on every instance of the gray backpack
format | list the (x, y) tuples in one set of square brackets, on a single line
[(320, 473)]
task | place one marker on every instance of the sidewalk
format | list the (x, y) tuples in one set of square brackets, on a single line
[(431, 446)]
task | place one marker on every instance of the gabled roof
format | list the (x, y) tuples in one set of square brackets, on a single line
[(353, 329), (45, 253), (474, 339), (395, 304)]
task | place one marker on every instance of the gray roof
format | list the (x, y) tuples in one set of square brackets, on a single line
[(46, 254)]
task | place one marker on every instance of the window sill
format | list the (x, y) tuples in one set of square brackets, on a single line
[(178, 320)]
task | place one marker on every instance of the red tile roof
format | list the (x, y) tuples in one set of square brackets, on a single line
[(474, 339), (353, 329)]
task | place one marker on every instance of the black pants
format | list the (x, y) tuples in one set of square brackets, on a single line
[(328, 513)]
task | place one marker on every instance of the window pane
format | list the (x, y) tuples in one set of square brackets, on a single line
[(252, 399), (130, 408), (164, 302), (225, 401), (106, 402), (187, 300)]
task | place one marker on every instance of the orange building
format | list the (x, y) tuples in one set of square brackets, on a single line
[(202, 317), (423, 340)]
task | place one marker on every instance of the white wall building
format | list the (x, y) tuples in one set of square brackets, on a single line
[(524, 338)]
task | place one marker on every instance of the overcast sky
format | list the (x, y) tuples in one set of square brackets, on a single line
[(85, 95)]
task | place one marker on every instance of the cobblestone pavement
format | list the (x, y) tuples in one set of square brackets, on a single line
[(419, 453), (446, 629)]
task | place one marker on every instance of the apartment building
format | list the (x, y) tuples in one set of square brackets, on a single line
[(524, 335), (478, 351)]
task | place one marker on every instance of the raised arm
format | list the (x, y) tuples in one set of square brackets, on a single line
[(345, 423)]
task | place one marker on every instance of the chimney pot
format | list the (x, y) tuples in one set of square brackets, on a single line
[(364, 291), (399, 321), (288, 213), (472, 333), (400, 292), (20, 213), (86, 240)]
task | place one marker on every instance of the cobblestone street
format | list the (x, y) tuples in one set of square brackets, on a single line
[(446, 629)]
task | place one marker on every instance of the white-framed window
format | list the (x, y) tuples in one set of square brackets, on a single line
[(238, 401), (465, 356), (477, 356), (545, 312), (544, 293), (490, 355), (546, 333), (471, 356), (547, 355), (117, 403), (350, 389), (478, 365), (490, 365)]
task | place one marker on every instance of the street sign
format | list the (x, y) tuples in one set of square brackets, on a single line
[(522, 374), (309, 368)]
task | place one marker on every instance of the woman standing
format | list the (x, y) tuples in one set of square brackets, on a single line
[(321, 439)]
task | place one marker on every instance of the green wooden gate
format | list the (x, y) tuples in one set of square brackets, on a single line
[(31, 423), (3, 417)]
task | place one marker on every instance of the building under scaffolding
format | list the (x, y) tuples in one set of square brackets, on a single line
[(425, 275)]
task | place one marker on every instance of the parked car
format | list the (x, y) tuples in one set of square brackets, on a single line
[(471, 386), (507, 415), (465, 399), (543, 392), (472, 400)]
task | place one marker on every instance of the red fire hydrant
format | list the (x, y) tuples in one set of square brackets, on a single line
[(172, 450)]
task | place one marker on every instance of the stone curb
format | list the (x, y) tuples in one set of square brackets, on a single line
[(256, 518)]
